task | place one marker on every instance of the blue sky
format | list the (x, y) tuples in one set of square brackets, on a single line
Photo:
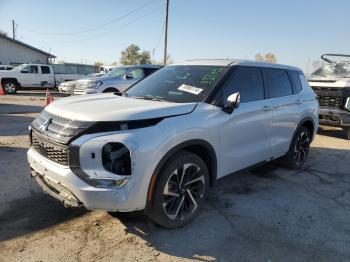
[(297, 32)]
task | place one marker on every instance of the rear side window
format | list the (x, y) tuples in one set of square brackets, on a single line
[(278, 82), (296, 81), (45, 70), (149, 71), (248, 82)]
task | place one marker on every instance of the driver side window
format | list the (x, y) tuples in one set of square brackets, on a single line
[(31, 69), (248, 81), (137, 73)]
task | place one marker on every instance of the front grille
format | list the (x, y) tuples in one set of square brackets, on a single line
[(330, 101), (54, 152), (329, 96), (59, 129)]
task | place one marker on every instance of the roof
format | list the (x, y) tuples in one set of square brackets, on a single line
[(26, 45), (232, 62)]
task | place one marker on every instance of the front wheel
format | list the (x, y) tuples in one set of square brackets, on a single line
[(10, 87), (180, 190), (299, 149)]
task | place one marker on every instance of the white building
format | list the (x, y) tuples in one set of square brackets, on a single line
[(14, 52)]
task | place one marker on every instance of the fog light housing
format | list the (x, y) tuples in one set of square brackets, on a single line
[(116, 159)]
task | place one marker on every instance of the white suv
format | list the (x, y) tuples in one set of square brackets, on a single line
[(172, 135)]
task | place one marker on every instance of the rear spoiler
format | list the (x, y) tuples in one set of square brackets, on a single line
[(324, 58)]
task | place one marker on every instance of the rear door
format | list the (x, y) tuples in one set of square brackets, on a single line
[(245, 134), (285, 107), (47, 79)]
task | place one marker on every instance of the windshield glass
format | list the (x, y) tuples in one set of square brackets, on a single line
[(118, 71), (180, 84), (333, 70)]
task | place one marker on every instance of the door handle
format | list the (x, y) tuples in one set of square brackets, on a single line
[(298, 102), (267, 108)]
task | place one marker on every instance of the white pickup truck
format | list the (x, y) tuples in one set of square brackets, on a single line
[(32, 76)]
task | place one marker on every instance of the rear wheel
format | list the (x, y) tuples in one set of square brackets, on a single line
[(299, 149), (10, 87), (180, 190)]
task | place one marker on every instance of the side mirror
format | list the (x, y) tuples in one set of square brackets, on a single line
[(25, 71), (129, 76), (232, 103)]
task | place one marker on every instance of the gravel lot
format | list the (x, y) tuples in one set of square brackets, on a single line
[(268, 214)]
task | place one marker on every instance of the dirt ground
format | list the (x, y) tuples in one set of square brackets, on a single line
[(269, 214)]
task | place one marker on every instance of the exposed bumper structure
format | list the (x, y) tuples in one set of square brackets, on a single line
[(61, 183), (334, 117)]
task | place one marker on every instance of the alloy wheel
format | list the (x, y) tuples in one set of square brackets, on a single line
[(183, 191), (301, 148), (10, 88)]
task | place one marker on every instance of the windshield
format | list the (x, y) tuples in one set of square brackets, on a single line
[(180, 84), (333, 70), (118, 71)]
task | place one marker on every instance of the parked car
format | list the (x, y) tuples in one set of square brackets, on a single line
[(331, 82), (6, 67), (172, 135), (68, 87), (117, 80), (32, 75)]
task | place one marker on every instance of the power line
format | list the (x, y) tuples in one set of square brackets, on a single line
[(109, 31), (93, 28)]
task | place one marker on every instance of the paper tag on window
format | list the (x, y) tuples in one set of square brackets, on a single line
[(190, 89)]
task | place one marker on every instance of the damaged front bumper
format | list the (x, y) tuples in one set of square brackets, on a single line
[(334, 117)]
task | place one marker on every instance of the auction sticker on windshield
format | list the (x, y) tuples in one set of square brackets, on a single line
[(190, 89)]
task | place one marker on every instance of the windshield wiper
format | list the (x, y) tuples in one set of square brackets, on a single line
[(150, 97)]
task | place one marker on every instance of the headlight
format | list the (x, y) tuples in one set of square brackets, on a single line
[(347, 104), (94, 84)]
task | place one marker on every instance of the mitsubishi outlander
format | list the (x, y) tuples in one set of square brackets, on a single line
[(169, 137)]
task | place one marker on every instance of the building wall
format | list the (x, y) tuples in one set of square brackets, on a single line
[(13, 53)]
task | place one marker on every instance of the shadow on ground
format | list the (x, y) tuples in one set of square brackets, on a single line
[(267, 213), (337, 133)]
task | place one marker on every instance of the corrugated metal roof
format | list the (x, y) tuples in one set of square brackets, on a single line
[(26, 45)]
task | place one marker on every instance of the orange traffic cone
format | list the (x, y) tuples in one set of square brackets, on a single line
[(47, 98), (2, 91)]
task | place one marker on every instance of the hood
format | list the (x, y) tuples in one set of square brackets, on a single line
[(110, 107), (99, 78)]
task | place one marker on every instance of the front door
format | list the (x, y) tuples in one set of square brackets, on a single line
[(30, 77), (245, 134)]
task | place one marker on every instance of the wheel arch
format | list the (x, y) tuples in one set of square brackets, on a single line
[(199, 147), (110, 89), (309, 123), (9, 79)]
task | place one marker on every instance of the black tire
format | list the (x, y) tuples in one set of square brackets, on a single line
[(347, 131), (299, 149), (10, 87), (175, 203), (110, 90)]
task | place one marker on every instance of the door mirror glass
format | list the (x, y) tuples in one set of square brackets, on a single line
[(129, 76), (232, 103)]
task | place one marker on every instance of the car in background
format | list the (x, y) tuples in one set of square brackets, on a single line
[(168, 138), (331, 83), (68, 87), (117, 80), (6, 67)]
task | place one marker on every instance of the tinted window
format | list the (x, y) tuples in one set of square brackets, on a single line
[(45, 70), (149, 71), (247, 81), (137, 73), (31, 69), (278, 82), (296, 81)]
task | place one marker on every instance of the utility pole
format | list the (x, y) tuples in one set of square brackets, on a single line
[(166, 31), (13, 29)]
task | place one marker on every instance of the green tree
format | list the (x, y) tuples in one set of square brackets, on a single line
[(268, 57), (130, 55), (145, 58), (98, 63)]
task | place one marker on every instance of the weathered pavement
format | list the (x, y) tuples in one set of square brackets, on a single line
[(268, 214)]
